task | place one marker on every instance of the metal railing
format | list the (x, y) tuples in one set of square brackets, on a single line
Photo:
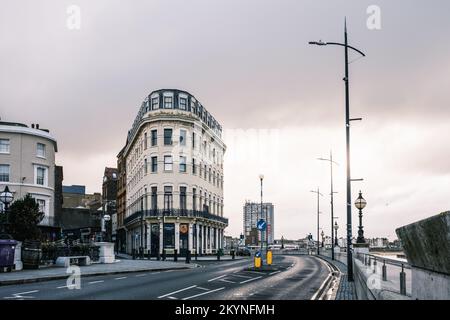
[(159, 213), (395, 275)]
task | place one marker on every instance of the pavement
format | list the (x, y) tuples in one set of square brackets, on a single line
[(120, 266), (346, 290), (297, 278)]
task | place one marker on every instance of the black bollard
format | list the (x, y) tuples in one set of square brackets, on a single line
[(133, 253), (232, 254), (196, 255), (158, 256), (148, 254), (218, 255), (175, 255), (164, 255), (188, 256)]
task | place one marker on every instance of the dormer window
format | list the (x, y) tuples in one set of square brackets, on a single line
[(168, 102), (183, 103), (155, 103)]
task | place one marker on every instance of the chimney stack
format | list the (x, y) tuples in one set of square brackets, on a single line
[(37, 125), (32, 125)]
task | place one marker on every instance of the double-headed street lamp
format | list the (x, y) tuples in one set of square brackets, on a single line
[(332, 202), (347, 127), (6, 197), (318, 222), (360, 204)]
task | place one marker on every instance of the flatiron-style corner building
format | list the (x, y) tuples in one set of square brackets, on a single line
[(173, 159)]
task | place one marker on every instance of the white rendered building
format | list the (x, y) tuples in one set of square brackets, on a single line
[(174, 177)]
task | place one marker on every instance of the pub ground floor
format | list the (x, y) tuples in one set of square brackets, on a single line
[(152, 235)]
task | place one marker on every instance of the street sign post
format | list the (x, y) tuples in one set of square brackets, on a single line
[(261, 225)]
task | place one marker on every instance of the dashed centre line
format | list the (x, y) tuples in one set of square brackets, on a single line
[(98, 281), (120, 278)]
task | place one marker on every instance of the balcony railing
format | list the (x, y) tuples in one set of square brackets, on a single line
[(174, 213)]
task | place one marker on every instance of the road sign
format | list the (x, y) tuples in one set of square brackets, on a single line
[(261, 225), (258, 254)]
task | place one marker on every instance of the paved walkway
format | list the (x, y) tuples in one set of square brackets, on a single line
[(183, 259), (120, 266), (346, 290)]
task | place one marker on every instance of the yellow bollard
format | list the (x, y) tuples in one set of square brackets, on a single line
[(269, 257), (257, 262)]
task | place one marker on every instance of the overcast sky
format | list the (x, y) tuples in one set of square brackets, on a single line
[(280, 101)]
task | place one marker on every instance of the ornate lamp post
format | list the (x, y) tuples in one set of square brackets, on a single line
[(323, 236), (360, 204), (336, 227), (6, 197)]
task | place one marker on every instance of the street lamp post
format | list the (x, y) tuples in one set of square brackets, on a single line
[(261, 178), (323, 236), (332, 202), (318, 222), (336, 227), (347, 131), (360, 204), (6, 197)]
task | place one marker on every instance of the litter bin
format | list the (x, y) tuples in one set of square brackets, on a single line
[(7, 248)]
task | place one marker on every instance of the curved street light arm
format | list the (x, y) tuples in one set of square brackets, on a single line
[(343, 45)]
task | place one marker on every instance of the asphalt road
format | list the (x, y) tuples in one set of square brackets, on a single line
[(297, 277)]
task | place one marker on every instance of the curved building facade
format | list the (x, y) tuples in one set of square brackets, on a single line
[(27, 165), (173, 160)]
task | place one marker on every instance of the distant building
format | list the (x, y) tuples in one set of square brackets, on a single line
[(27, 166), (230, 243), (75, 196), (121, 234), (251, 214), (109, 197)]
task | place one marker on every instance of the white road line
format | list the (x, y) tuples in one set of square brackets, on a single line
[(241, 276), (257, 272), (169, 294), (98, 281), (62, 287), (120, 278), (173, 298), (21, 293), (155, 272), (225, 280), (202, 294), (141, 275), (275, 272), (245, 281), (201, 288), (217, 278)]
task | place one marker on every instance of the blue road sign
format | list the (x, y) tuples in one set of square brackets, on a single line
[(258, 254), (261, 225)]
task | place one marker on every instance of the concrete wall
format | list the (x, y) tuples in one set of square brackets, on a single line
[(426, 244)]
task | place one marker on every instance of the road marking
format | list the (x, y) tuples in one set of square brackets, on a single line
[(169, 294), (62, 287), (155, 272), (225, 280), (173, 298), (257, 272), (275, 272), (98, 281), (217, 278), (20, 295), (245, 281), (141, 275), (202, 294), (241, 276), (201, 288), (120, 278)]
